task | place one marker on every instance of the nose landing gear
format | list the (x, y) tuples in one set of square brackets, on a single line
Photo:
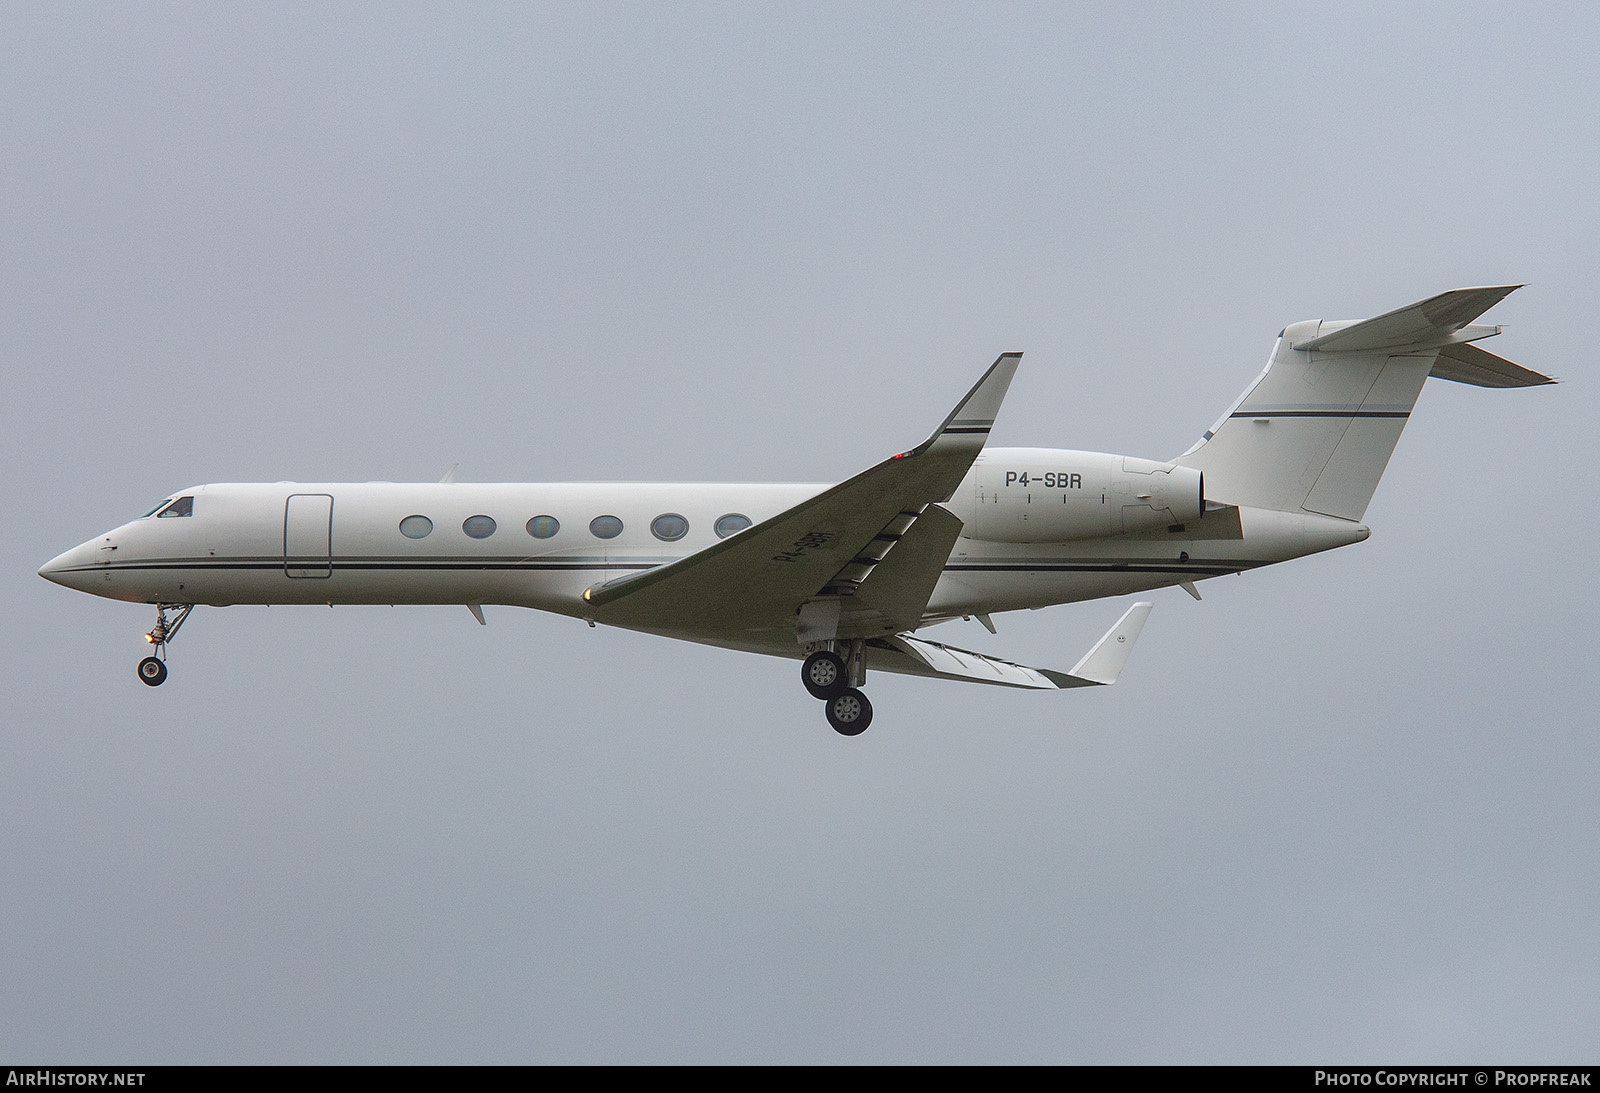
[(837, 680), (153, 670)]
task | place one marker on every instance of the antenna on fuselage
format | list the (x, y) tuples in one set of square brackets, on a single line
[(450, 475)]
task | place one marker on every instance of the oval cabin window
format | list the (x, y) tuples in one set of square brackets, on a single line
[(669, 527)]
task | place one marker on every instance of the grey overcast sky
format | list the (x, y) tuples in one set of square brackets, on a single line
[(1341, 810)]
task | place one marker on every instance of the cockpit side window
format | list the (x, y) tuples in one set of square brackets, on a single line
[(157, 507), (183, 506)]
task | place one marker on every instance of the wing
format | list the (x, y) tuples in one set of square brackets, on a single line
[(748, 591), (1100, 666)]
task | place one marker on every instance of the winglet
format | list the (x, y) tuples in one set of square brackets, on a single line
[(975, 414), (1104, 663)]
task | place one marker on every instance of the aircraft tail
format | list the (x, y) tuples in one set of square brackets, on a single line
[(1315, 430)]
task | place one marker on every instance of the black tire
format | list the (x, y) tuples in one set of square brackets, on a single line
[(849, 713), (152, 672), (824, 675)]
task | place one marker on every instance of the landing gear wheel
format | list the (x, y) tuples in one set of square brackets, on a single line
[(824, 675), (849, 713), (153, 670)]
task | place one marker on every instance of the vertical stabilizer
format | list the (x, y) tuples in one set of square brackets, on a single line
[(1315, 430)]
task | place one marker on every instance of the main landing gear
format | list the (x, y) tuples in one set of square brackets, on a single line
[(836, 679), (153, 670)]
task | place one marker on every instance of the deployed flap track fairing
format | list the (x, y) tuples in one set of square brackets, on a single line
[(842, 577)]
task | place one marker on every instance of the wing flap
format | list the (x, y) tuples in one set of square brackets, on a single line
[(894, 593)]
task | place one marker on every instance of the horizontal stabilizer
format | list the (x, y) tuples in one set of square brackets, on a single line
[(1100, 666), (1481, 368), (1434, 321)]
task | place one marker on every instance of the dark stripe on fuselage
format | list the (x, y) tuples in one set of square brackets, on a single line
[(1039, 565), (1209, 569), (1321, 413), (209, 564)]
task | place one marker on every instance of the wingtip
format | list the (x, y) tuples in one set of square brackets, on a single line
[(974, 415), (1504, 290), (1104, 663)]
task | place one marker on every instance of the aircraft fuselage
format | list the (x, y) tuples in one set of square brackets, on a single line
[(345, 543)]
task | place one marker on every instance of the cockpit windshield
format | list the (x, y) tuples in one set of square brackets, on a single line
[(157, 507), (183, 506)]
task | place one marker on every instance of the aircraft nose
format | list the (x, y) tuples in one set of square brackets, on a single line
[(55, 567), (67, 568)]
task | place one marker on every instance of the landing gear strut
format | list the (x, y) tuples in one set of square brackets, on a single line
[(153, 670), (836, 675)]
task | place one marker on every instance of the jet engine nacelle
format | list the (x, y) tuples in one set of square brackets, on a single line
[(1051, 495)]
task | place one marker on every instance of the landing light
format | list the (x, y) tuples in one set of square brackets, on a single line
[(151, 638)]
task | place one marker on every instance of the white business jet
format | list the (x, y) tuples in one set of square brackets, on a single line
[(843, 577)]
